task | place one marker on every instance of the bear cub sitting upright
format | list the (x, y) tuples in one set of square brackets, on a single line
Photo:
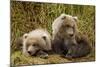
[(67, 40)]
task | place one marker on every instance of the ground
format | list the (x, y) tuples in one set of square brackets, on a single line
[(19, 59)]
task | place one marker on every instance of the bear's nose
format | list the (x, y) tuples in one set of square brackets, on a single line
[(29, 52), (71, 35)]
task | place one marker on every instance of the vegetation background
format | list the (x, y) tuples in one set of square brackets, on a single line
[(27, 16)]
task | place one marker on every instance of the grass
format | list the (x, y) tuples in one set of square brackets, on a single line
[(19, 59), (27, 16)]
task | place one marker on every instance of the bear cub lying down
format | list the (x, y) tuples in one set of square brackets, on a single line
[(36, 43), (67, 40)]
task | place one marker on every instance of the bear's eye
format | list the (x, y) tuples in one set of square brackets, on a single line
[(28, 45), (68, 25), (34, 45)]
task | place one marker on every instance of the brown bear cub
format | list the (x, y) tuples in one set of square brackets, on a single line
[(66, 39), (36, 43)]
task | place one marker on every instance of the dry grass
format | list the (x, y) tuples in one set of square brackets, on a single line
[(19, 59), (26, 16)]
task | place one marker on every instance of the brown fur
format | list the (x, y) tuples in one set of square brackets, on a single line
[(67, 40), (19, 43)]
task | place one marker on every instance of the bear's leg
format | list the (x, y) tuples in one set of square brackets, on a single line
[(80, 50), (71, 52), (57, 46), (42, 54)]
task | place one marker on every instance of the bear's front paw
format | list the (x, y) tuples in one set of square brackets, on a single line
[(68, 56), (43, 54)]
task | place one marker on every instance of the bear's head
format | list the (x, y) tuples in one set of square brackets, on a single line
[(65, 26), (33, 44)]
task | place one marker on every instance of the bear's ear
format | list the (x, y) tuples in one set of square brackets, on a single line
[(25, 35), (44, 37), (75, 18), (63, 17)]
